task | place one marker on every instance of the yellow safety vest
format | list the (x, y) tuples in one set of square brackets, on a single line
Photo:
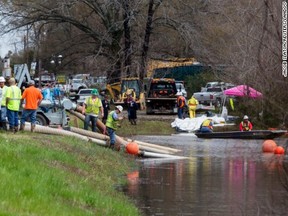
[(206, 123), (110, 122), (93, 106), (4, 89), (14, 95)]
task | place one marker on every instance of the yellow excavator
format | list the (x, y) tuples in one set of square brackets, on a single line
[(119, 91)]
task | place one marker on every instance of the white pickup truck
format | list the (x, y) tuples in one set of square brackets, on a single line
[(77, 84), (213, 96)]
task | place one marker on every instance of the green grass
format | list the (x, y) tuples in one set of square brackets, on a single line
[(146, 127), (54, 175), (143, 127)]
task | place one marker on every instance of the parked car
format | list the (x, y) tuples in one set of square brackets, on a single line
[(77, 84), (82, 95)]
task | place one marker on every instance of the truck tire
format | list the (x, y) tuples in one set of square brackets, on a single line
[(40, 120), (149, 110)]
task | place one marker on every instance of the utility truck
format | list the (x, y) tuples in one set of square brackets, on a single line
[(161, 96)]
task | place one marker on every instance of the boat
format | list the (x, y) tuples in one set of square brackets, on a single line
[(254, 134)]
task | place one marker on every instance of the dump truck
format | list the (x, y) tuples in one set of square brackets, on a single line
[(161, 96)]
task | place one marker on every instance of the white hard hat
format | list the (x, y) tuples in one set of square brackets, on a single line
[(178, 94), (245, 117), (120, 108), (2, 79), (31, 82)]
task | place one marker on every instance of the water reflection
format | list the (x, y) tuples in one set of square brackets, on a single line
[(221, 177)]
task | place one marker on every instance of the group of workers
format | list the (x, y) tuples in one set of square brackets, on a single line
[(207, 124), (12, 99), (181, 103), (93, 107)]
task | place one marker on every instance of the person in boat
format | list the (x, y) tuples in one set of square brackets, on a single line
[(207, 124), (245, 125)]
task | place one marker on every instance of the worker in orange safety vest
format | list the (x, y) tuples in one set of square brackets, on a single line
[(181, 102)]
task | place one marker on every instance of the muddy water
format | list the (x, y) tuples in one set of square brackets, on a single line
[(221, 177)]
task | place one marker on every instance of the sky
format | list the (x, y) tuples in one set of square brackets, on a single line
[(7, 41), (6, 44)]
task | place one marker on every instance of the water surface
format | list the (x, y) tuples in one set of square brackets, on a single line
[(221, 177)]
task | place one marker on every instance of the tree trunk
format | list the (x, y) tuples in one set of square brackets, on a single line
[(127, 38), (145, 47)]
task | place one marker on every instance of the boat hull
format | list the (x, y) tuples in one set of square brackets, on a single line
[(256, 134)]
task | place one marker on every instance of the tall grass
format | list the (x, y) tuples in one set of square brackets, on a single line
[(54, 175)]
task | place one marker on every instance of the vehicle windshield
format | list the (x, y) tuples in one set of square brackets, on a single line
[(179, 86), (77, 81), (214, 90), (131, 84), (85, 91)]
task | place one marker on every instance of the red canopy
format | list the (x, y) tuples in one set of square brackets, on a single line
[(242, 91)]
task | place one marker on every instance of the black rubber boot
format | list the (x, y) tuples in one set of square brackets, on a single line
[(33, 127), (22, 126)]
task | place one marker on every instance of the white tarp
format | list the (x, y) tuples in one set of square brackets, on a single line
[(193, 124)]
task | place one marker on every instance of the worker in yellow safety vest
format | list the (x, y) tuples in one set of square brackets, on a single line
[(13, 99), (207, 124), (91, 109), (3, 115), (192, 105), (112, 125)]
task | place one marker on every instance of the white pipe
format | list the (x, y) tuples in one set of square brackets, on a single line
[(106, 138), (100, 126), (120, 141), (48, 130), (89, 133), (168, 149), (155, 155)]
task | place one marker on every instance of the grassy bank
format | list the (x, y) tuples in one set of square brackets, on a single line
[(146, 127), (143, 127), (54, 175)]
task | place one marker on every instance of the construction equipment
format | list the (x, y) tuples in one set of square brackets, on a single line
[(167, 63), (54, 113), (161, 96), (127, 86), (21, 74)]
